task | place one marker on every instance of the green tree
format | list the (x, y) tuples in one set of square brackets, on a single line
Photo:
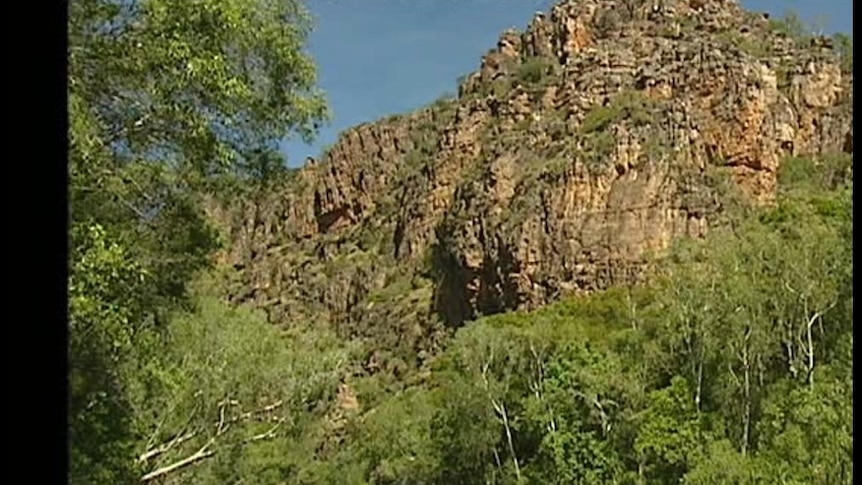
[(584, 389), (807, 433), (105, 316), (490, 360), (722, 464), (396, 439), (538, 397), (223, 394), (211, 85), (687, 311), (670, 435), (164, 98)]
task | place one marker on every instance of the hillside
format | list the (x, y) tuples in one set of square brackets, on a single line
[(581, 148), (621, 255)]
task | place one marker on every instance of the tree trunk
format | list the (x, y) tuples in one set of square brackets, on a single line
[(502, 411), (810, 352), (497, 459), (500, 408), (699, 388), (746, 414)]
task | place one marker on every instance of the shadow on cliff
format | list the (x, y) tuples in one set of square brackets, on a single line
[(462, 294)]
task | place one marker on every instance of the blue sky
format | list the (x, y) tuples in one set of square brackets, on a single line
[(380, 57)]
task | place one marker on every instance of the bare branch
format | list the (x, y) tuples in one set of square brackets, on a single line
[(221, 426), (203, 452), (271, 407), (500, 409), (250, 414), (733, 375), (266, 435), (165, 447), (177, 440)]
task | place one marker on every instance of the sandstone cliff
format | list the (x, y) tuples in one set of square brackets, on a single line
[(580, 147)]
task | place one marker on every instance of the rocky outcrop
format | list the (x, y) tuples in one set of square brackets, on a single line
[(579, 148)]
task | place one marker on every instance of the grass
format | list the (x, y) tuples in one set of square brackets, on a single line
[(634, 106)]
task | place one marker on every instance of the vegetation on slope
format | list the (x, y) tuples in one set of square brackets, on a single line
[(734, 365)]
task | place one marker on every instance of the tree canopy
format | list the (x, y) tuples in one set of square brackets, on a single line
[(165, 99)]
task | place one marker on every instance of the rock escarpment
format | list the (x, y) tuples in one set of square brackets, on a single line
[(579, 148)]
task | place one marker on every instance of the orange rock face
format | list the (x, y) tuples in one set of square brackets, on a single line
[(577, 150)]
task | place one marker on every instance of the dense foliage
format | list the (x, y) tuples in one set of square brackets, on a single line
[(733, 366), (166, 99)]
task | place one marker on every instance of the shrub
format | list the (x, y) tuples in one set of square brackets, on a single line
[(792, 26), (632, 105), (533, 70), (844, 48)]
